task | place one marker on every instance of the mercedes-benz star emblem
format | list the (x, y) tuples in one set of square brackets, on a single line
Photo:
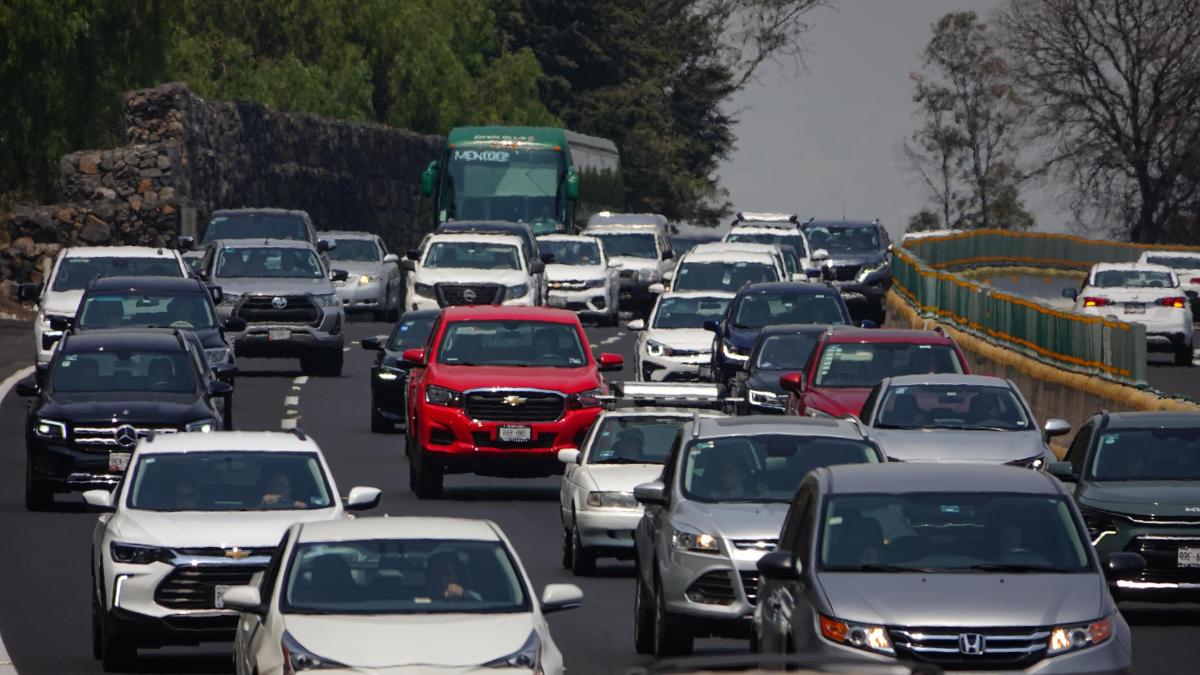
[(279, 302), (126, 436), (971, 643), (469, 295), (514, 400)]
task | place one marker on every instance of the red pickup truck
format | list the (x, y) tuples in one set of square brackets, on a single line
[(848, 362), (498, 391)]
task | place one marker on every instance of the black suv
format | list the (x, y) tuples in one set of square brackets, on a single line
[(105, 389), (389, 373), (779, 350), (860, 260)]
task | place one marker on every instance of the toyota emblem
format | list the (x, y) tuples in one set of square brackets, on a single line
[(279, 302), (126, 436), (469, 295)]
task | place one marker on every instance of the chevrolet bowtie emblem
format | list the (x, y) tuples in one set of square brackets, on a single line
[(236, 553), (514, 400)]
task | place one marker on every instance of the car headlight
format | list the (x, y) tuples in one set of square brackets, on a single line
[(518, 291), (655, 348), (594, 283), (297, 658), (368, 279), (389, 374), (646, 274), (424, 290), (696, 542), (857, 635), (734, 352), (766, 398), (218, 355), (435, 395), (528, 657), (327, 300), (49, 429), (868, 270), (585, 399), (228, 298), (612, 500), (202, 426), (1099, 523), (138, 554), (1080, 636), (1036, 462)]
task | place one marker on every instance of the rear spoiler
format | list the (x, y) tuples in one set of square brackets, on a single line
[(672, 394)]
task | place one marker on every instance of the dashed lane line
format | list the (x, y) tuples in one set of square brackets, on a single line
[(6, 664), (291, 405), (12, 380)]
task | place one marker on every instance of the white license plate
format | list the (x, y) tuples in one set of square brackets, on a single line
[(279, 334), (218, 591), (1188, 556), (515, 434), (118, 462), (1135, 308)]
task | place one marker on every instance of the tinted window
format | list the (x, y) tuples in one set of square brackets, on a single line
[(362, 250), (864, 364), (957, 406), (75, 273), (630, 244), (256, 226), (228, 481), (113, 371), (843, 239), (677, 312), (572, 252), (146, 310), (793, 239), (786, 352), (722, 276), (1175, 262), (1132, 279), (640, 439), (756, 310), (471, 255), (268, 262), (512, 343), (411, 333), (517, 185), (1147, 454)]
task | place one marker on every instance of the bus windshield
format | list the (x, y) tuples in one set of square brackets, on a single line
[(520, 185)]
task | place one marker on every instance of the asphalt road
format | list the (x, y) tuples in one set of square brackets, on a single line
[(43, 558)]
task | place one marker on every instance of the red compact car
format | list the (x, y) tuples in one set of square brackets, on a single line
[(848, 362), (498, 391)]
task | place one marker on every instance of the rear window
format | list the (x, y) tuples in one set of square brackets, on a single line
[(75, 273), (864, 364)]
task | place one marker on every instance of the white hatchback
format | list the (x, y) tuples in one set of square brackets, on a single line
[(1140, 293), (396, 594)]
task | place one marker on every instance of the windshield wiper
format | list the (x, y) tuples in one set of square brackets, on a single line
[(1014, 567), (881, 425), (880, 567), (624, 460)]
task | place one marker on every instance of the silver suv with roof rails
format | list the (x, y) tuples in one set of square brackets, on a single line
[(716, 509)]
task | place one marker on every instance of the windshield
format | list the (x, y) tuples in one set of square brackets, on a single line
[(411, 333), (269, 262), (764, 467), (629, 244), (640, 439), (722, 276), (357, 250), (518, 185), (512, 343), (864, 364), (786, 352), (471, 255), (572, 252), (682, 245), (843, 239), (228, 481), (403, 576), (689, 312), (1132, 279), (785, 238), (125, 370), (1178, 262), (146, 310), (756, 310), (75, 273), (951, 532), (1147, 454), (957, 406), (257, 226)]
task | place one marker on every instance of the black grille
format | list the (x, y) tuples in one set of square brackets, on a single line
[(750, 585), (542, 440), (845, 272), (192, 587), (1002, 648), (261, 309), (449, 295), (1162, 559), (714, 587), (508, 406)]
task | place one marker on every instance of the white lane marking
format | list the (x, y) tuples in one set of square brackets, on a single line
[(287, 425), (610, 340), (303, 379), (10, 382), (345, 349), (6, 664), (291, 400), (292, 412)]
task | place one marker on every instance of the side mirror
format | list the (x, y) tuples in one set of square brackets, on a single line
[(429, 178), (1070, 293), (325, 245), (243, 599), (338, 275), (48, 340), (391, 259), (537, 267), (636, 324), (779, 565), (792, 382), (571, 184), (413, 357), (557, 597), (546, 258), (99, 499), (408, 265), (569, 455), (225, 371), (235, 324), (713, 325), (363, 498), (185, 243), (220, 389), (372, 344), (218, 295), (651, 493), (819, 255), (610, 362), (657, 289), (1055, 427), (1122, 565), (60, 323), (28, 387), (867, 323), (1062, 471), (29, 292), (413, 254)]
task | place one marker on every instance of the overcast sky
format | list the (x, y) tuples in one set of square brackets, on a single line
[(819, 141)]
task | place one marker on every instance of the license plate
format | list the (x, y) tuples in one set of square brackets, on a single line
[(515, 434), (556, 301), (1135, 308), (118, 462), (279, 334), (218, 591), (1188, 556)]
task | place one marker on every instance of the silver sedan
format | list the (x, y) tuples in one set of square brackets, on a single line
[(373, 283)]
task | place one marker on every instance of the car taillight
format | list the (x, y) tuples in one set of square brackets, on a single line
[(1194, 280), (1096, 302), (1176, 302)]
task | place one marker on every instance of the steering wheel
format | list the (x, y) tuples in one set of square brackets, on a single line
[(182, 324), (162, 384)]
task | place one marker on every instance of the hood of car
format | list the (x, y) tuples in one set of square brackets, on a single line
[(360, 267), (633, 263), (958, 445), (61, 303), (767, 380), (1148, 498), (694, 339), (108, 409), (396, 640), (465, 378), (285, 286), (964, 600), (576, 272), (855, 257), (224, 529), (469, 276), (622, 477), (741, 337), (733, 520), (837, 401)]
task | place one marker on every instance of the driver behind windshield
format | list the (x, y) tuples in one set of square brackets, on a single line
[(447, 578)]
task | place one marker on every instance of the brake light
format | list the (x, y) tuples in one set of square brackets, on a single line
[(1175, 301), (1195, 280), (1096, 302)]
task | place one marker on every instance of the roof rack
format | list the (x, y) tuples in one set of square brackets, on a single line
[(764, 217), (298, 433), (671, 394)]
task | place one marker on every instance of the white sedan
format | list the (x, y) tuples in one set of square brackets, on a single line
[(396, 595), (1145, 294), (673, 344), (1186, 266)]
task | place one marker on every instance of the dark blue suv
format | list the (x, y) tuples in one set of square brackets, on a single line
[(769, 304)]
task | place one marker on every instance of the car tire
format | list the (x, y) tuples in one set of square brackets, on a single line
[(380, 315), (379, 423), (227, 413), (567, 559), (1184, 355), (332, 364), (117, 654), (426, 476), (97, 629), (583, 560), (670, 638), (38, 497), (643, 615)]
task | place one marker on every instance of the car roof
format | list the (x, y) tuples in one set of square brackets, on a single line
[(660, 411), (793, 329), (230, 441), (420, 314), (119, 252), (259, 242), (792, 286), (1131, 266), (402, 527), (735, 247), (601, 230), (911, 477), (1157, 418), (712, 255), (727, 295), (490, 237), (509, 313), (480, 226), (903, 335), (949, 379), (723, 427), (781, 229), (567, 237), (606, 219), (842, 223), (347, 234), (263, 210), (154, 339), (148, 284), (1168, 252)]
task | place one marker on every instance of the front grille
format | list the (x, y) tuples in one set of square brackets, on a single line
[(515, 406), (846, 272), (713, 588), (1162, 558), (298, 309), (193, 586), (763, 545), (1000, 647), (750, 586), (484, 440), (218, 552), (450, 295), (105, 437), (568, 285)]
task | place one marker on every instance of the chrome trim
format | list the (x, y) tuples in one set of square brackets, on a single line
[(1145, 585), (496, 390), (93, 479), (213, 561), (1168, 537)]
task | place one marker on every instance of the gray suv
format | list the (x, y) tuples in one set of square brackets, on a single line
[(956, 566), (858, 257), (284, 292), (714, 512)]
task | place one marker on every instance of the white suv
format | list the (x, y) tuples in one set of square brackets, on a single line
[(74, 268), (194, 514), (1140, 293), (473, 269), (722, 266), (579, 277), (673, 344)]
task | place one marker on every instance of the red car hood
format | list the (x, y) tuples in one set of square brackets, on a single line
[(566, 380), (837, 401)]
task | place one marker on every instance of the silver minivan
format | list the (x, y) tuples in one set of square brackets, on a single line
[(953, 565)]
